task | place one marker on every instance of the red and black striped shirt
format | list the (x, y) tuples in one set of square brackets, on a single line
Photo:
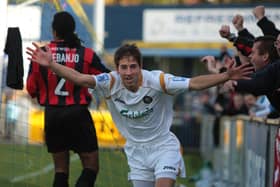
[(52, 90)]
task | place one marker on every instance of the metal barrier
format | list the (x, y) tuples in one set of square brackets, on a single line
[(245, 156)]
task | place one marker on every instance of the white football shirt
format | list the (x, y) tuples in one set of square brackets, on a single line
[(147, 114)]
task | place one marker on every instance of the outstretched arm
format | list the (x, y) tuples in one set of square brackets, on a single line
[(266, 25), (233, 73), (44, 58)]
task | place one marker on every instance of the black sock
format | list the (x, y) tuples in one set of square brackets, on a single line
[(87, 178), (60, 180)]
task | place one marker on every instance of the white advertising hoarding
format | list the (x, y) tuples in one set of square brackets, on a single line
[(27, 18), (197, 24)]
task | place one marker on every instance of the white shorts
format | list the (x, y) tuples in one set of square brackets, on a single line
[(157, 159)]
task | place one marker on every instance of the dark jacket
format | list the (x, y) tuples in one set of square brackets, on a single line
[(268, 27), (264, 82)]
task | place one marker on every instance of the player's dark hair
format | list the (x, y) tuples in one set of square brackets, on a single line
[(128, 50), (267, 46), (64, 26)]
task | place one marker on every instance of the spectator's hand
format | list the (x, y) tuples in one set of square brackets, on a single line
[(218, 107), (228, 62), (237, 21), (259, 12), (240, 72), (212, 65), (225, 31), (228, 86), (208, 59)]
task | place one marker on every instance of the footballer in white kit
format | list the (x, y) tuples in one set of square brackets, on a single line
[(141, 105), (144, 119)]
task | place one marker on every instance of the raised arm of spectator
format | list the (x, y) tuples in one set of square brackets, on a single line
[(238, 21), (225, 33), (266, 25), (242, 43)]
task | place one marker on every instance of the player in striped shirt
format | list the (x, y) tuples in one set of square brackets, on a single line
[(68, 123), (141, 103)]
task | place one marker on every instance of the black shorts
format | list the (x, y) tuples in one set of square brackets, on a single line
[(69, 128)]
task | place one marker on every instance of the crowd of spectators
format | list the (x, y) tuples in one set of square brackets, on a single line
[(259, 96)]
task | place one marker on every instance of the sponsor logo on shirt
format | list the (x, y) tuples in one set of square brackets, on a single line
[(136, 114)]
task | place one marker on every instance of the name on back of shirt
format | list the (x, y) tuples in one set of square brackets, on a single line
[(62, 58), (63, 55)]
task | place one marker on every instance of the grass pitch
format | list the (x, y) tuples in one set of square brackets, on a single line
[(31, 166)]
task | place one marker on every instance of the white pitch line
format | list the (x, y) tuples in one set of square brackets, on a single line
[(46, 169)]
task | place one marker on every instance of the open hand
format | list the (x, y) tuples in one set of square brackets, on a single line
[(240, 72), (228, 86), (40, 56)]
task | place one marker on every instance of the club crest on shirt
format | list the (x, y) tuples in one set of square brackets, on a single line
[(147, 99)]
